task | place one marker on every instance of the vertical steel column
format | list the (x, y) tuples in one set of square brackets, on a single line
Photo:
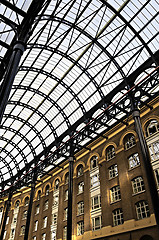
[(5, 214), (18, 50), (70, 191), (147, 164), (26, 234)]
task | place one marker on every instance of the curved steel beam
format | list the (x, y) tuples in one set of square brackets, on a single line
[(29, 125), (54, 103), (22, 137)]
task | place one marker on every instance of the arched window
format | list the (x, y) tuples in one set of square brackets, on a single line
[(94, 162), (146, 237), (26, 203), (110, 153), (57, 182), (47, 190), (129, 141), (80, 170), (17, 204), (39, 195), (66, 178), (152, 127)]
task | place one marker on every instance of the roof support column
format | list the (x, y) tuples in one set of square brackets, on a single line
[(70, 193), (147, 164), (5, 214), (27, 226), (11, 71)]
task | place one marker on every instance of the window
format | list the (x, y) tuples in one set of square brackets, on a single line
[(129, 141), (80, 228), (96, 223), (157, 176), (37, 209), (43, 236), (14, 219), (44, 222), (66, 194), (55, 218), (4, 236), (134, 160), (17, 204), (34, 238), (65, 233), (57, 182), (154, 150), (142, 209), (113, 171), (7, 221), (66, 178), (110, 153), (96, 202), (65, 213), (26, 203), (39, 195), (80, 208), (46, 205), (152, 127), (94, 162), (138, 185), (95, 180), (22, 231), (1, 212), (118, 217), (56, 200), (35, 225), (115, 193), (25, 214), (47, 190), (53, 235), (80, 187), (79, 170)]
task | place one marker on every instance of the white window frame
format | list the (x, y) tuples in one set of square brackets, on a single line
[(138, 185), (118, 217), (65, 214), (133, 160), (65, 233), (22, 230), (130, 142), (55, 218), (80, 208), (113, 171), (115, 194), (80, 228), (80, 187), (46, 205), (94, 226), (110, 153), (45, 222), (66, 195), (79, 170), (36, 225), (37, 209), (94, 162), (44, 236), (25, 214), (142, 210), (95, 182), (96, 204), (154, 150)]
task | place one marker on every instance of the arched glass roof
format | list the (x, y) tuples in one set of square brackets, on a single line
[(77, 53)]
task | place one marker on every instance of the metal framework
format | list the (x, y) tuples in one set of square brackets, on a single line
[(82, 60)]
